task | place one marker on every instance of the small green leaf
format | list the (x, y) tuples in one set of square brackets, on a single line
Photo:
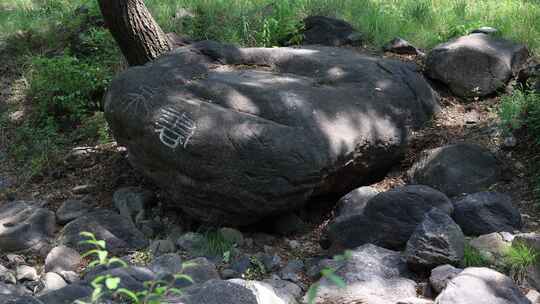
[(312, 293), (184, 277), (112, 283), (337, 280), (129, 294), (117, 261)]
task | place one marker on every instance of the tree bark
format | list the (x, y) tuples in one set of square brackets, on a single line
[(138, 35)]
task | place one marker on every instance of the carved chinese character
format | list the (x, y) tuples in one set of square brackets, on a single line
[(175, 128)]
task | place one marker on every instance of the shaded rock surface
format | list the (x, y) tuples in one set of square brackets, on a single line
[(438, 240), (355, 201), (293, 124), (486, 212), (388, 219), (117, 231), (440, 276), (456, 169), (265, 293), (25, 226), (216, 292), (372, 275), (475, 65), (481, 286), (72, 209), (62, 258), (401, 46), (330, 32)]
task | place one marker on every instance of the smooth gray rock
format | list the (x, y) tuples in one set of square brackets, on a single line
[(285, 289), (441, 275), (531, 240), (297, 123), (264, 292), (215, 292), (487, 212), (200, 270), (291, 271), (438, 240), (26, 227), (7, 275), (355, 201), (475, 65), (52, 281), (62, 258), (485, 30), (189, 241), (131, 278), (72, 209), (389, 219), (117, 231), (160, 247), (372, 275), (14, 299), (491, 246), (132, 202), (456, 169), (67, 294), (167, 263), (28, 273), (401, 46), (481, 286), (12, 289), (330, 32)]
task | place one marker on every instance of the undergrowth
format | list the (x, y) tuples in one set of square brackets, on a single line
[(518, 259), (473, 258)]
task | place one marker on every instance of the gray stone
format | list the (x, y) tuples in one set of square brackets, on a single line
[(117, 231), (372, 275), (531, 240), (533, 296), (475, 65), (491, 246), (486, 212), (232, 235), (483, 286), (355, 201), (229, 274), (7, 276), (199, 270), (485, 30), (25, 272), (167, 263), (215, 292), (415, 301), (160, 247), (270, 261), (456, 169), (70, 276), (26, 227), (306, 117), (83, 189), (291, 271), (67, 294), (62, 258), (329, 31), (438, 240), (440, 276), (11, 289), (72, 209), (132, 202), (131, 278), (14, 299), (189, 241), (265, 293), (285, 289), (401, 46), (241, 263), (389, 219), (52, 281)]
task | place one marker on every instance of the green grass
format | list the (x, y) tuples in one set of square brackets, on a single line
[(518, 259), (473, 258), (213, 243)]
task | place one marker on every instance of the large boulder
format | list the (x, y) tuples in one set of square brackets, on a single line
[(389, 219), (476, 64), (235, 135), (481, 286), (487, 212), (438, 240), (117, 231), (456, 169), (372, 275), (25, 226)]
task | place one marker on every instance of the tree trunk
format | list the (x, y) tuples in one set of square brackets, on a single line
[(138, 35)]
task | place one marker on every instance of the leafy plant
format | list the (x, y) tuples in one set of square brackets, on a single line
[(212, 243), (474, 258), (518, 259), (331, 276), (99, 251)]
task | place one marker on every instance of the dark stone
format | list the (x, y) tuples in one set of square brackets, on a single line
[(456, 169), (438, 240), (72, 209), (62, 258), (475, 65), (440, 276), (167, 263), (485, 30), (67, 295), (401, 46), (199, 270), (389, 219), (26, 226), (132, 202), (131, 278), (487, 212), (372, 275), (481, 286), (14, 299), (215, 292), (329, 31), (287, 224), (117, 231), (293, 124), (355, 201)]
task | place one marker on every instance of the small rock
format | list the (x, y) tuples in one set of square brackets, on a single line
[(241, 263), (485, 30), (62, 258), (160, 247), (52, 281), (293, 244), (167, 263), (189, 241), (72, 209), (492, 246), (229, 274), (69, 276), (355, 201), (284, 288), (270, 261), (7, 276), (330, 32), (440, 276), (533, 296), (531, 240), (25, 272), (232, 236), (486, 212), (401, 46), (438, 240), (200, 270), (510, 142), (12, 289), (15, 259), (68, 294), (132, 202), (291, 272), (415, 301), (265, 293), (83, 189)]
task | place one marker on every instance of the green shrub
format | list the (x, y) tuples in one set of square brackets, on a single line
[(473, 258), (212, 243), (518, 259), (65, 89)]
